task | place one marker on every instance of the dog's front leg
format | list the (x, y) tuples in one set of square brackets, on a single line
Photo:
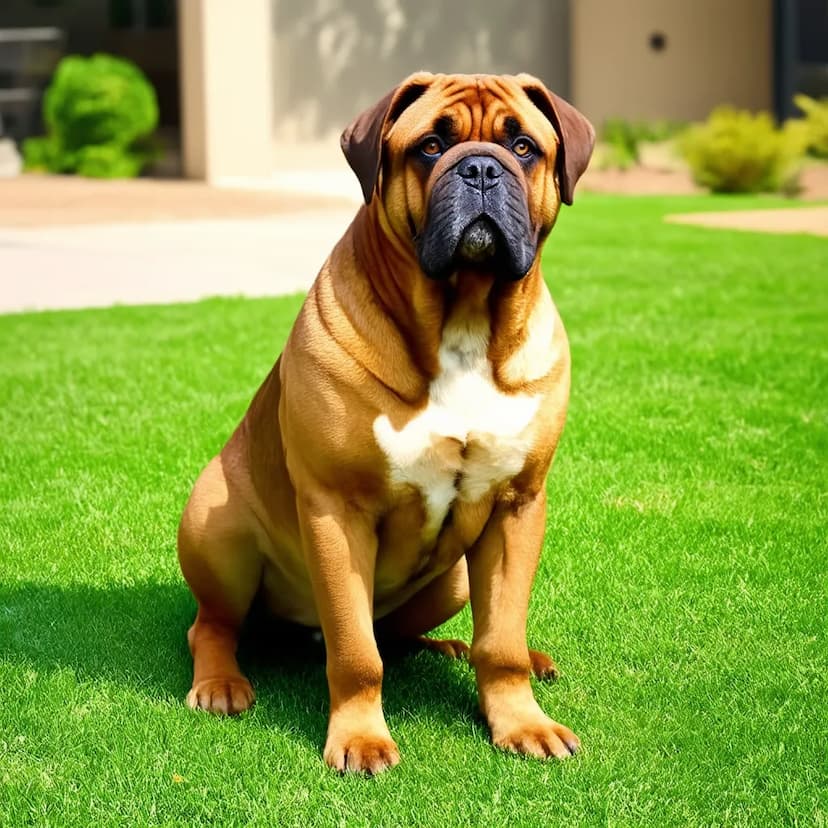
[(340, 547), (501, 569)]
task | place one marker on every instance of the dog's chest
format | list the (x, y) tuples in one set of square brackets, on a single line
[(469, 437)]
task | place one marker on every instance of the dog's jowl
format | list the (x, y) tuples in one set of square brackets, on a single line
[(393, 464)]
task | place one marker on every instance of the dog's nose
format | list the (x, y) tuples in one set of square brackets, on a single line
[(480, 171)]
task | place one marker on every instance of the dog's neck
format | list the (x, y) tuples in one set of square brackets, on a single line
[(420, 308)]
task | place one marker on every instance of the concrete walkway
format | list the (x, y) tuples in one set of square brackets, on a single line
[(101, 265), (810, 220), (56, 252)]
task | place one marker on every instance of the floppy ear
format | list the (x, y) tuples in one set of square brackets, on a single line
[(575, 133), (362, 139)]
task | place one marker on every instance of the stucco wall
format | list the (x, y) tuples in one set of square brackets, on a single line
[(225, 84), (332, 58), (717, 51)]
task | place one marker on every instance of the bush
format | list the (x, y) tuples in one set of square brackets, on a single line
[(100, 112), (623, 138), (816, 123), (737, 152), (619, 138)]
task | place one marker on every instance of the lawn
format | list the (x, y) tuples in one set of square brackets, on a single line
[(682, 588)]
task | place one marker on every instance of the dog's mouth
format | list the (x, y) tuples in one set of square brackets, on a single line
[(465, 230), (479, 243), (482, 247)]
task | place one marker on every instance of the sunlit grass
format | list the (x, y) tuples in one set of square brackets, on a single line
[(682, 588)]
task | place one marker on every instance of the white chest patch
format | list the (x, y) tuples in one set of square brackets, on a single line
[(468, 438)]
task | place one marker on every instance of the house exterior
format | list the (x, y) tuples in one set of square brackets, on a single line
[(247, 93)]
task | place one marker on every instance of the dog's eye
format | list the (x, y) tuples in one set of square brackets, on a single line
[(523, 147), (432, 146)]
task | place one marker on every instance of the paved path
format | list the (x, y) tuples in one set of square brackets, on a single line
[(810, 220), (73, 243), (101, 265), (48, 201)]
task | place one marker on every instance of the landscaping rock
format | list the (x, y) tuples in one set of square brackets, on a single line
[(11, 163)]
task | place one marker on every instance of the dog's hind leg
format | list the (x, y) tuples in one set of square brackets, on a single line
[(223, 566), (433, 605)]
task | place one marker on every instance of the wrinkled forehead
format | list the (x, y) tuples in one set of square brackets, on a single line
[(473, 108)]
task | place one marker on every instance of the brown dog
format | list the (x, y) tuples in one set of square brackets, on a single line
[(393, 464)]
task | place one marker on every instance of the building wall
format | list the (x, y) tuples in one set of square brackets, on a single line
[(333, 58), (716, 51), (225, 88)]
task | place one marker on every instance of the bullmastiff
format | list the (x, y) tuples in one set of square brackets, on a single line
[(393, 464)]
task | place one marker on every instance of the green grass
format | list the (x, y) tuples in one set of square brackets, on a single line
[(682, 588)]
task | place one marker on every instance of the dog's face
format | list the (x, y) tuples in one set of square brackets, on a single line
[(470, 169)]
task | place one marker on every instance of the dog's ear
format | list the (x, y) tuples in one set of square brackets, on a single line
[(575, 133), (362, 139)]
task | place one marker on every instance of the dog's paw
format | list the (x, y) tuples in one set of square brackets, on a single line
[(222, 695), (371, 754), (540, 737), (543, 667)]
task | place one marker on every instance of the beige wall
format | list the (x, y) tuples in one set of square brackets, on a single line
[(718, 51), (334, 58), (285, 77), (226, 88)]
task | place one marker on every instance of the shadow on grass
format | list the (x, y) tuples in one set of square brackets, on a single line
[(136, 636)]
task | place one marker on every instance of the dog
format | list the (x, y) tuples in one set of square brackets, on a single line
[(392, 466)]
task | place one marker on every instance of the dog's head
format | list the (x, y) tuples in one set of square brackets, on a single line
[(470, 169)]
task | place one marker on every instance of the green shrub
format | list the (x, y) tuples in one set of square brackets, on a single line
[(816, 123), (623, 139), (41, 153), (100, 112), (611, 157), (619, 138), (738, 152)]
